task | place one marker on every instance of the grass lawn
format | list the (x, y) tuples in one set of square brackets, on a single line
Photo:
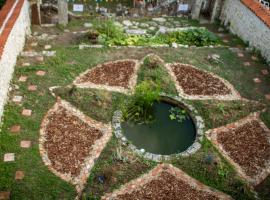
[(119, 168)]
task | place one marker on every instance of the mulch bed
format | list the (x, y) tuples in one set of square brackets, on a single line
[(69, 141), (166, 187), (116, 73), (247, 145), (197, 82)]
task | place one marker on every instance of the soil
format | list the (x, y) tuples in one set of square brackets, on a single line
[(196, 82), (111, 74), (166, 187), (68, 141), (247, 145)]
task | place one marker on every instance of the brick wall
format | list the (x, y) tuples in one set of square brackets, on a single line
[(14, 25), (250, 21)]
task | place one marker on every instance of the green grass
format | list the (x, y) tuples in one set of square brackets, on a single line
[(40, 183)]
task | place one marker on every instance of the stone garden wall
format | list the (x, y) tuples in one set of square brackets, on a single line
[(14, 25), (250, 21)]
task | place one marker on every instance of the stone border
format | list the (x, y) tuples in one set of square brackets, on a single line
[(212, 136), (131, 85), (97, 147), (198, 121), (155, 173), (233, 96)]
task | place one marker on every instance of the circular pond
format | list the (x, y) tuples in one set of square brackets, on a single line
[(167, 134)]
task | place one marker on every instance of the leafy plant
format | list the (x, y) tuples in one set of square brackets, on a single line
[(178, 114), (140, 106)]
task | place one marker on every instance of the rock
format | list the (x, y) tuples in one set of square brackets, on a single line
[(159, 19), (136, 31), (152, 28), (144, 25), (220, 29), (127, 23), (174, 45), (88, 25), (49, 53)]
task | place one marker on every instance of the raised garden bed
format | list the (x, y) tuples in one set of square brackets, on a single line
[(70, 142), (165, 182), (195, 83), (119, 76), (246, 144)]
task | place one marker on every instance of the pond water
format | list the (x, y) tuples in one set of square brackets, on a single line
[(163, 136)]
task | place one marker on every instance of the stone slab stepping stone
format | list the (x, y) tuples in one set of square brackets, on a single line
[(136, 31), (127, 23), (171, 182), (257, 80), (26, 64), (46, 47), (32, 88), (267, 96), (17, 99), (23, 79), (40, 73), (9, 157), (29, 54), (255, 58), (4, 195), (15, 129), (247, 64), (19, 175), (65, 126), (49, 53), (240, 55), (159, 19), (225, 41), (265, 72), (25, 144), (88, 25), (39, 58), (246, 145), (27, 112), (34, 44)]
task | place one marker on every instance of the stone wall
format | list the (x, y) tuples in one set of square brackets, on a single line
[(244, 23), (14, 25)]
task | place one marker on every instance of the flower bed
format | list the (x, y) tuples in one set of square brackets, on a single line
[(119, 76), (246, 144), (194, 83), (70, 142), (165, 182)]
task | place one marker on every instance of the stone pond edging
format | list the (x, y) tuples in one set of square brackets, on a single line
[(198, 121)]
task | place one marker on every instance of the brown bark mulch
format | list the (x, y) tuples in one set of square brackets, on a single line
[(166, 187), (112, 74), (68, 141), (197, 82), (247, 145)]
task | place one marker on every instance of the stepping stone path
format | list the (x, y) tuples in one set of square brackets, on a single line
[(39, 58), (225, 41), (15, 129), (9, 157), (257, 80), (27, 112), (265, 72), (19, 175), (165, 182), (246, 145), (32, 88), (255, 58), (34, 44), (88, 25), (17, 99), (23, 79), (4, 195), (40, 73), (25, 144)]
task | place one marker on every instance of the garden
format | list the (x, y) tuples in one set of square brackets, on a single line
[(145, 108)]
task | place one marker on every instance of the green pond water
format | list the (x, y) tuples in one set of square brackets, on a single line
[(163, 136)]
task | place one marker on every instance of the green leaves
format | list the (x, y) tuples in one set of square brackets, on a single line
[(178, 114)]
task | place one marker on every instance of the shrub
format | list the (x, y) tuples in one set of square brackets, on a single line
[(140, 105), (152, 61), (2, 2)]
